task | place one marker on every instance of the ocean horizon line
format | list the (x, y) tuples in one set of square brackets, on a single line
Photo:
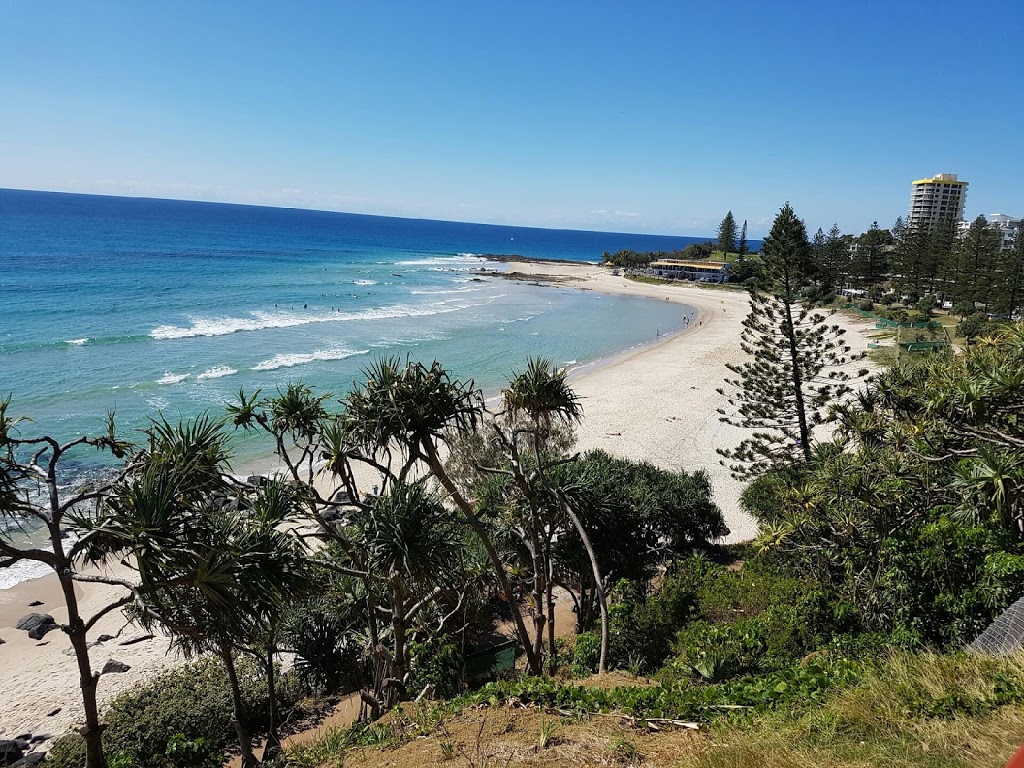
[(331, 211)]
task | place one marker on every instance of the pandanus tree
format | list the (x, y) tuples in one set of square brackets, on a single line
[(397, 423), (216, 562), (535, 401), (410, 550), (406, 413), (35, 495)]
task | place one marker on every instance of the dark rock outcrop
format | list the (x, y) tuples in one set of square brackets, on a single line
[(113, 666), (10, 752), (37, 624), (134, 640)]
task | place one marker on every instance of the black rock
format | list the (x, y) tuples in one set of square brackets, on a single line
[(45, 642), (2, 641), (34, 603), (104, 638), (114, 666), (36, 624), (39, 738), (53, 712), (22, 744), (35, 758), (330, 515), (134, 640), (10, 752), (23, 737)]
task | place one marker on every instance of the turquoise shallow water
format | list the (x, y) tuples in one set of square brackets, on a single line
[(153, 306)]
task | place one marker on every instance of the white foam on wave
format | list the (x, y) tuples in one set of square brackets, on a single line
[(444, 291), (364, 282), (435, 261), (290, 361), (76, 342), (217, 372), (26, 570), (259, 321), (23, 570), (172, 378)]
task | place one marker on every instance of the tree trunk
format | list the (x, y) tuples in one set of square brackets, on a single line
[(400, 663), (539, 619), (598, 585), (798, 384), (273, 747), (92, 731), (552, 651), (434, 462), (238, 711)]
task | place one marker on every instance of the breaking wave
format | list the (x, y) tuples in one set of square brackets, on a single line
[(217, 372), (290, 361), (259, 321)]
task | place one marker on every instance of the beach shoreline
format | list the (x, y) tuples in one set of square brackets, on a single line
[(656, 403)]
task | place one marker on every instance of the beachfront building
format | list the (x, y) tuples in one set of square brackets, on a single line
[(936, 200), (703, 271), (1006, 226)]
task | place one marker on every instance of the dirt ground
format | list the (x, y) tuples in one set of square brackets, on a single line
[(504, 737)]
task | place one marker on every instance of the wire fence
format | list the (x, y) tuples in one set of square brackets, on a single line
[(1004, 635)]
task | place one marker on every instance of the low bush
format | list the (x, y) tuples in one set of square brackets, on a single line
[(438, 663), (799, 686), (642, 626), (586, 654), (752, 617), (187, 711), (971, 326)]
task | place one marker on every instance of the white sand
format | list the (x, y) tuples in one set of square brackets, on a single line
[(656, 403), (37, 678), (659, 403)]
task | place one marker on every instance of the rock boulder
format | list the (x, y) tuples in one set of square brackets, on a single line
[(113, 665), (37, 624)]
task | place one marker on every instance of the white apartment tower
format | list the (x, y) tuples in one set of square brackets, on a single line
[(938, 199)]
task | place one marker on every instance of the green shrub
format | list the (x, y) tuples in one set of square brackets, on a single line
[(437, 662), (802, 685), (189, 707), (971, 326), (643, 626), (762, 496), (586, 655)]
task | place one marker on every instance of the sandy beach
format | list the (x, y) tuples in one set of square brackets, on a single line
[(656, 403)]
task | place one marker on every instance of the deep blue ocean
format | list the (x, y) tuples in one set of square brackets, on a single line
[(151, 306)]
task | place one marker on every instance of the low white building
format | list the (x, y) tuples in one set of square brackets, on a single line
[(1007, 226)]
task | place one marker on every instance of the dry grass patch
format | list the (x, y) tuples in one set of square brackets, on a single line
[(500, 737)]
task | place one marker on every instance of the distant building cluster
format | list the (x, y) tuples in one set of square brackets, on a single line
[(941, 199)]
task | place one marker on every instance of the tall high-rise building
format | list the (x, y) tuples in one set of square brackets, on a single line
[(935, 200)]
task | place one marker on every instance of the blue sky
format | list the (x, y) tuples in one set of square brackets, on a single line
[(642, 116)]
